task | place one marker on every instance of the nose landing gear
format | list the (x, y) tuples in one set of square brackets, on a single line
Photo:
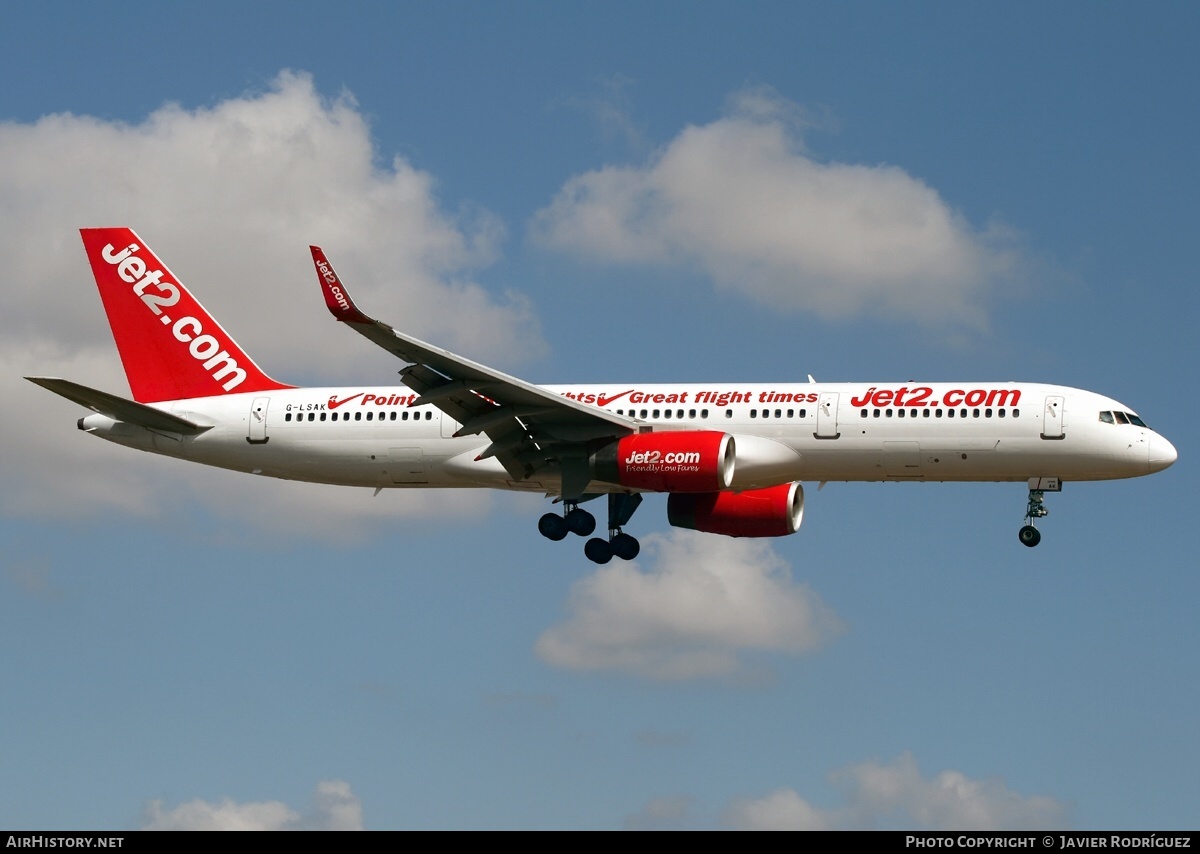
[(1036, 508)]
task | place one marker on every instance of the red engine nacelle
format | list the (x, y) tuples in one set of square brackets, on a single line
[(772, 512), (668, 461)]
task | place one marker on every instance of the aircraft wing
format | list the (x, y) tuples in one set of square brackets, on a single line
[(118, 408), (529, 427)]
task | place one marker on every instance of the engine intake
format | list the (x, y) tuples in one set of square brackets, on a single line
[(772, 512)]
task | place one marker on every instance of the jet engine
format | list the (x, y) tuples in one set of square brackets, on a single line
[(772, 512), (668, 461)]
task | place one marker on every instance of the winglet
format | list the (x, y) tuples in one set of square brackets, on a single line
[(337, 300)]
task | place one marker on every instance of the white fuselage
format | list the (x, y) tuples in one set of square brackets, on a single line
[(372, 437)]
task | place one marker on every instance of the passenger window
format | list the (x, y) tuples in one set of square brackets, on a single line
[(864, 413), (312, 416), (322, 416), (728, 413)]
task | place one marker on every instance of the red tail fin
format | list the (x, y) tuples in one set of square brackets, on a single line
[(170, 346)]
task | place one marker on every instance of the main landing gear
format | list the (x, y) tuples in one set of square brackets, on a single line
[(576, 520), (1036, 509)]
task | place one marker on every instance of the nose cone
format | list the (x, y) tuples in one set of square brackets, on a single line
[(1160, 453)]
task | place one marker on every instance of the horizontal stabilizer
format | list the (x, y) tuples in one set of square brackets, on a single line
[(118, 408)]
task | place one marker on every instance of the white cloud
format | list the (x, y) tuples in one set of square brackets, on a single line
[(896, 795), (704, 603), (334, 807), (229, 196), (948, 801), (780, 810), (741, 200)]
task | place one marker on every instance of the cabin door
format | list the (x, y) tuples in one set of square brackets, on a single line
[(827, 416), (256, 432)]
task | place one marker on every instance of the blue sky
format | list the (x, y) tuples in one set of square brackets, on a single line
[(603, 192)]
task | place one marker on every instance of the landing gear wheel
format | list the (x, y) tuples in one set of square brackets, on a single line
[(552, 526), (580, 522), (598, 550), (625, 547), (1030, 536)]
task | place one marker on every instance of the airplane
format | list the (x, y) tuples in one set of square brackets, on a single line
[(731, 457)]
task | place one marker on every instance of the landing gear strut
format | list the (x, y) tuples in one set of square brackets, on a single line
[(578, 521), (1036, 508)]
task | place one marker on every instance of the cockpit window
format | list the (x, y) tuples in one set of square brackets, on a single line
[(1121, 418)]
